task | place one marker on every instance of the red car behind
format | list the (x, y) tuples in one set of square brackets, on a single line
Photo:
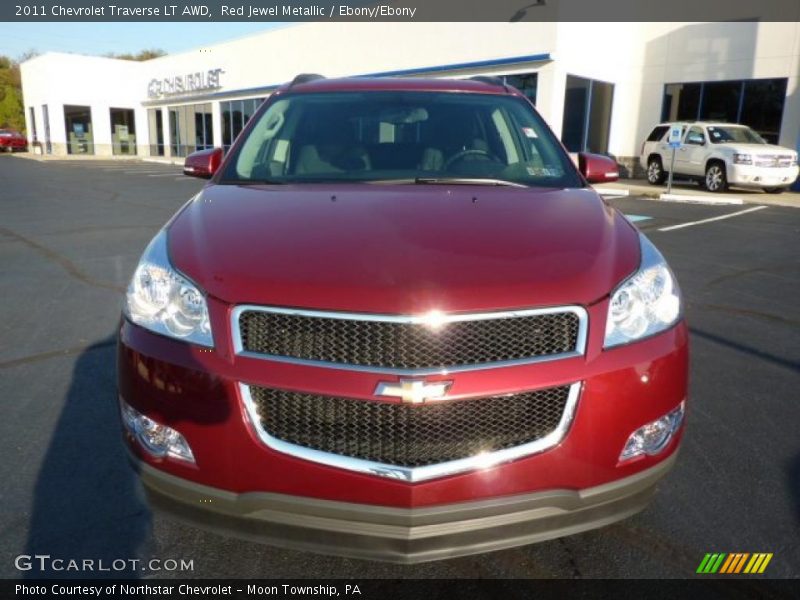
[(399, 324), (11, 141)]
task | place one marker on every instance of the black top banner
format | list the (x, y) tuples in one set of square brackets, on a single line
[(400, 10)]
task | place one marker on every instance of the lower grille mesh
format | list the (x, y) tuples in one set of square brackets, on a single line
[(409, 435)]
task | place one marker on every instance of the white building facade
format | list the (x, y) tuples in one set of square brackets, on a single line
[(601, 86)]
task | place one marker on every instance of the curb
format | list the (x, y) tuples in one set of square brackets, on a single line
[(167, 161)]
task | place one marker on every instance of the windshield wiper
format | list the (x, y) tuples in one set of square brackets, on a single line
[(466, 181)]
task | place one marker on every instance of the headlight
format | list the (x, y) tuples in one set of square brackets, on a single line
[(647, 302), (162, 300), (742, 159)]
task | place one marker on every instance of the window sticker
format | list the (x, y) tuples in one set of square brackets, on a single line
[(529, 132)]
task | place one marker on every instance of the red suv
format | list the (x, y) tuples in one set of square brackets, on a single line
[(399, 324)]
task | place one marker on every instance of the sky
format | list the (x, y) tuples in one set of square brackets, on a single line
[(103, 38)]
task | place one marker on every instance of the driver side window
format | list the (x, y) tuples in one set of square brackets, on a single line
[(695, 137)]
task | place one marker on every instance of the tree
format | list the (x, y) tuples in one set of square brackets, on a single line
[(142, 55), (12, 114), (11, 111)]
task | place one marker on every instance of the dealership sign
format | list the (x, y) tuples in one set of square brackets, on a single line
[(200, 81)]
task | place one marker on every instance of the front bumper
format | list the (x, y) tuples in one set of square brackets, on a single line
[(12, 144), (759, 177), (401, 535), (578, 484)]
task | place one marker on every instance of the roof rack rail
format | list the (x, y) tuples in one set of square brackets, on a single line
[(491, 80), (305, 78)]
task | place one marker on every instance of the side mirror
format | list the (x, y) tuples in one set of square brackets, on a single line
[(203, 163), (597, 168)]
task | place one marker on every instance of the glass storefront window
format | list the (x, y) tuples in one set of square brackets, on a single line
[(599, 117), (762, 107), (190, 128), (123, 131), (78, 123), (235, 115), (721, 101), (587, 115), (527, 83), (757, 103), (32, 119), (48, 146), (681, 102), (155, 127)]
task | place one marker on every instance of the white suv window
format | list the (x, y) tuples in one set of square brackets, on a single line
[(696, 137)]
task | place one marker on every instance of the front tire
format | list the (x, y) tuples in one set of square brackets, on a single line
[(655, 171), (716, 180)]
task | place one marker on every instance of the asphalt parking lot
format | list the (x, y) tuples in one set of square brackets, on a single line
[(70, 235)]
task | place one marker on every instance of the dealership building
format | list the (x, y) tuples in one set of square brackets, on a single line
[(600, 86)]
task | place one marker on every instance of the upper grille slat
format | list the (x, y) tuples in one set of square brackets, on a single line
[(393, 344)]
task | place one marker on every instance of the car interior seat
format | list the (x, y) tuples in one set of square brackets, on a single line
[(330, 147)]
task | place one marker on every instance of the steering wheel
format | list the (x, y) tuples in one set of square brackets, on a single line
[(470, 152)]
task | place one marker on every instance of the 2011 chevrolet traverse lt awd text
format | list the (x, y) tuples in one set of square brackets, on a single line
[(398, 324)]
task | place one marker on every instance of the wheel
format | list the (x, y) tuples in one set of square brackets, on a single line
[(476, 153), (716, 180), (775, 190), (655, 171)]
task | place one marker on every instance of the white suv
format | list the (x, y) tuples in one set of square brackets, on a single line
[(718, 155)]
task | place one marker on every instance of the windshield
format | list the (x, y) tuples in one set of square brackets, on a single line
[(398, 137), (741, 135)]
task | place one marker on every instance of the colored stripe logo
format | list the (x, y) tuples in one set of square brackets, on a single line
[(734, 563)]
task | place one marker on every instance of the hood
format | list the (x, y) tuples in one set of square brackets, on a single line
[(761, 149), (402, 248)]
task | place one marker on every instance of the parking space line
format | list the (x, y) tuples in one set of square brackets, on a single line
[(613, 192), (162, 174), (720, 218), (694, 199), (125, 168)]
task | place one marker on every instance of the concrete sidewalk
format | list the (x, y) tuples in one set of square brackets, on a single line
[(625, 187), (93, 157), (640, 187)]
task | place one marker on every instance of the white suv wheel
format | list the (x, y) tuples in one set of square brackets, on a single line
[(655, 173), (715, 178)]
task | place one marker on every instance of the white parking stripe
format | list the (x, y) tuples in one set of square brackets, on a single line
[(120, 167), (162, 174), (613, 192), (728, 216)]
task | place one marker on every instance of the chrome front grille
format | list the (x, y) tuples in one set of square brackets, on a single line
[(409, 344), (410, 442), (773, 160)]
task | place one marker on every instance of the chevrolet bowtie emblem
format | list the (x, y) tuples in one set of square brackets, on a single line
[(414, 391)]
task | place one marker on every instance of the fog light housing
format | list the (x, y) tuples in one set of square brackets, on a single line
[(652, 438), (157, 439)]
